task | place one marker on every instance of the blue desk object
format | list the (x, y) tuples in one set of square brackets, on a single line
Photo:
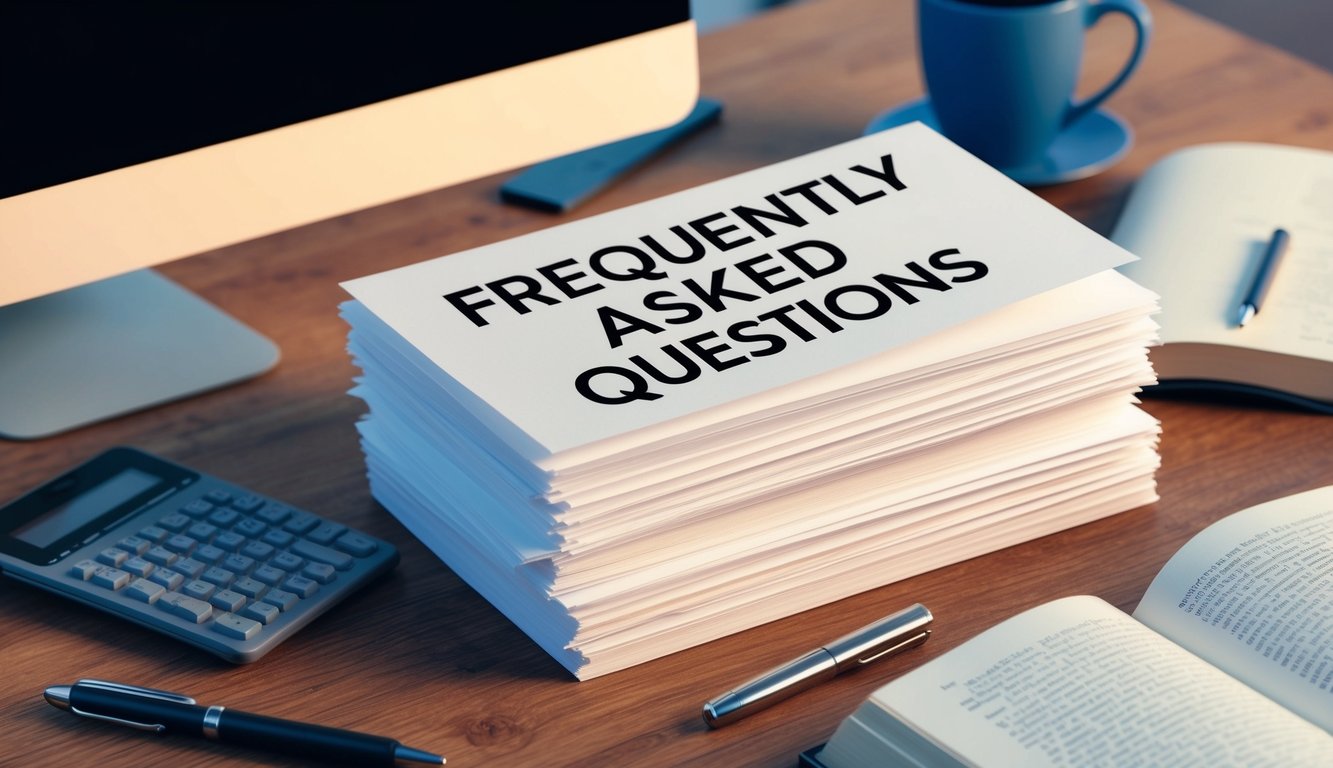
[(561, 184)]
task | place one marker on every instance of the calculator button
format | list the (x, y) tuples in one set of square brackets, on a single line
[(321, 572), (202, 531), (325, 533), (199, 590), (180, 544), (278, 538), (218, 496), (281, 599), (269, 575), (209, 554), (134, 545), (168, 579), (224, 517), (145, 591), (237, 627), (322, 554), (174, 522), (228, 600), (273, 514), (112, 578), (196, 509), (287, 562), (186, 607), (238, 564), (189, 568), (137, 566), (250, 527), (248, 503), (300, 522), (112, 557), (355, 544), (299, 585), (153, 534), (84, 569), (161, 556), (219, 576), (249, 587), (229, 541), (261, 612), (258, 550)]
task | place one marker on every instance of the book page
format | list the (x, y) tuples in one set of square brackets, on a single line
[(621, 321), (1253, 594), (1200, 220), (1076, 682)]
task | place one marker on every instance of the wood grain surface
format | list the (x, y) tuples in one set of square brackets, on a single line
[(419, 656)]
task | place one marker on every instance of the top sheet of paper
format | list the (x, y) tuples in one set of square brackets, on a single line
[(617, 322)]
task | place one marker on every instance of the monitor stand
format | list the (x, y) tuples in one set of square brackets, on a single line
[(104, 349)]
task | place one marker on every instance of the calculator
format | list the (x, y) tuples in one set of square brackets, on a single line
[(194, 557)]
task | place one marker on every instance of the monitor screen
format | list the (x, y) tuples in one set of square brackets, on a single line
[(137, 132), (92, 87), (141, 131)]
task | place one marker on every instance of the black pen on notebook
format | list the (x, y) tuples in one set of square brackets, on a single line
[(905, 629), (148, 709), (1263, 278)]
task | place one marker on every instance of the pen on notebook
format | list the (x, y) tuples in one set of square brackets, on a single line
[(905, 629), (1277, 248), (157, 711)]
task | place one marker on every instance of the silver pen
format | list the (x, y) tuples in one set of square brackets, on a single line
[(905, 629)]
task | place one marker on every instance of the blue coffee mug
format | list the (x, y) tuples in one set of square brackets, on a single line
[(1001, 79)]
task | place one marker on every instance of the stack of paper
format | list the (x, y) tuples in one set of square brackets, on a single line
[(651, 428)]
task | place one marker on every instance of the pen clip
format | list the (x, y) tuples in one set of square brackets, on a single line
[(910, 642), (131, 690)]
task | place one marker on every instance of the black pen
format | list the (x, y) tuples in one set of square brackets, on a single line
[(1277, 248), (148, 709)]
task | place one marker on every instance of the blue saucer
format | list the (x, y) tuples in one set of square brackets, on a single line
[(1092, 144)]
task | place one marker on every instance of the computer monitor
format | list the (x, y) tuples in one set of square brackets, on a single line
[(136, 133)]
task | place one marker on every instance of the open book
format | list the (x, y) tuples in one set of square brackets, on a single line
[(1228, 660), (1199, 220)]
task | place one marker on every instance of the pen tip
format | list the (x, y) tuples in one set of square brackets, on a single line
[(1244, 314), (406, 757), (57, 696)]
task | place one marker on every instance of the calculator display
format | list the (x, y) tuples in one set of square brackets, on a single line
[(59, 522)]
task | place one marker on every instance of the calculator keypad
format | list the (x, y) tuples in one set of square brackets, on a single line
[(234, 564)]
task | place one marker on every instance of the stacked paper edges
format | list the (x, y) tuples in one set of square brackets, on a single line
[(652, 428)]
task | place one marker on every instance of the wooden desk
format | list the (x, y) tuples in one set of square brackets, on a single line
[(421, 657)]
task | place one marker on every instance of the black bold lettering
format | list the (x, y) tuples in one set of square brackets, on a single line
[(637, 389), (658, 301), (714, 234), (529, 288), (849, 193), (783, 214), (689, 370), (710, 354), (836, 261), (713, 294), (807, 190), (896, 284), (775, 343), (760, 277), (937, 261), (617, 325), (834, 303), (564, 282), (696, 247), (886, 175), (469, 309)]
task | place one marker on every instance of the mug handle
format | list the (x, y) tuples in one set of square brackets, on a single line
[(1137, 13)]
